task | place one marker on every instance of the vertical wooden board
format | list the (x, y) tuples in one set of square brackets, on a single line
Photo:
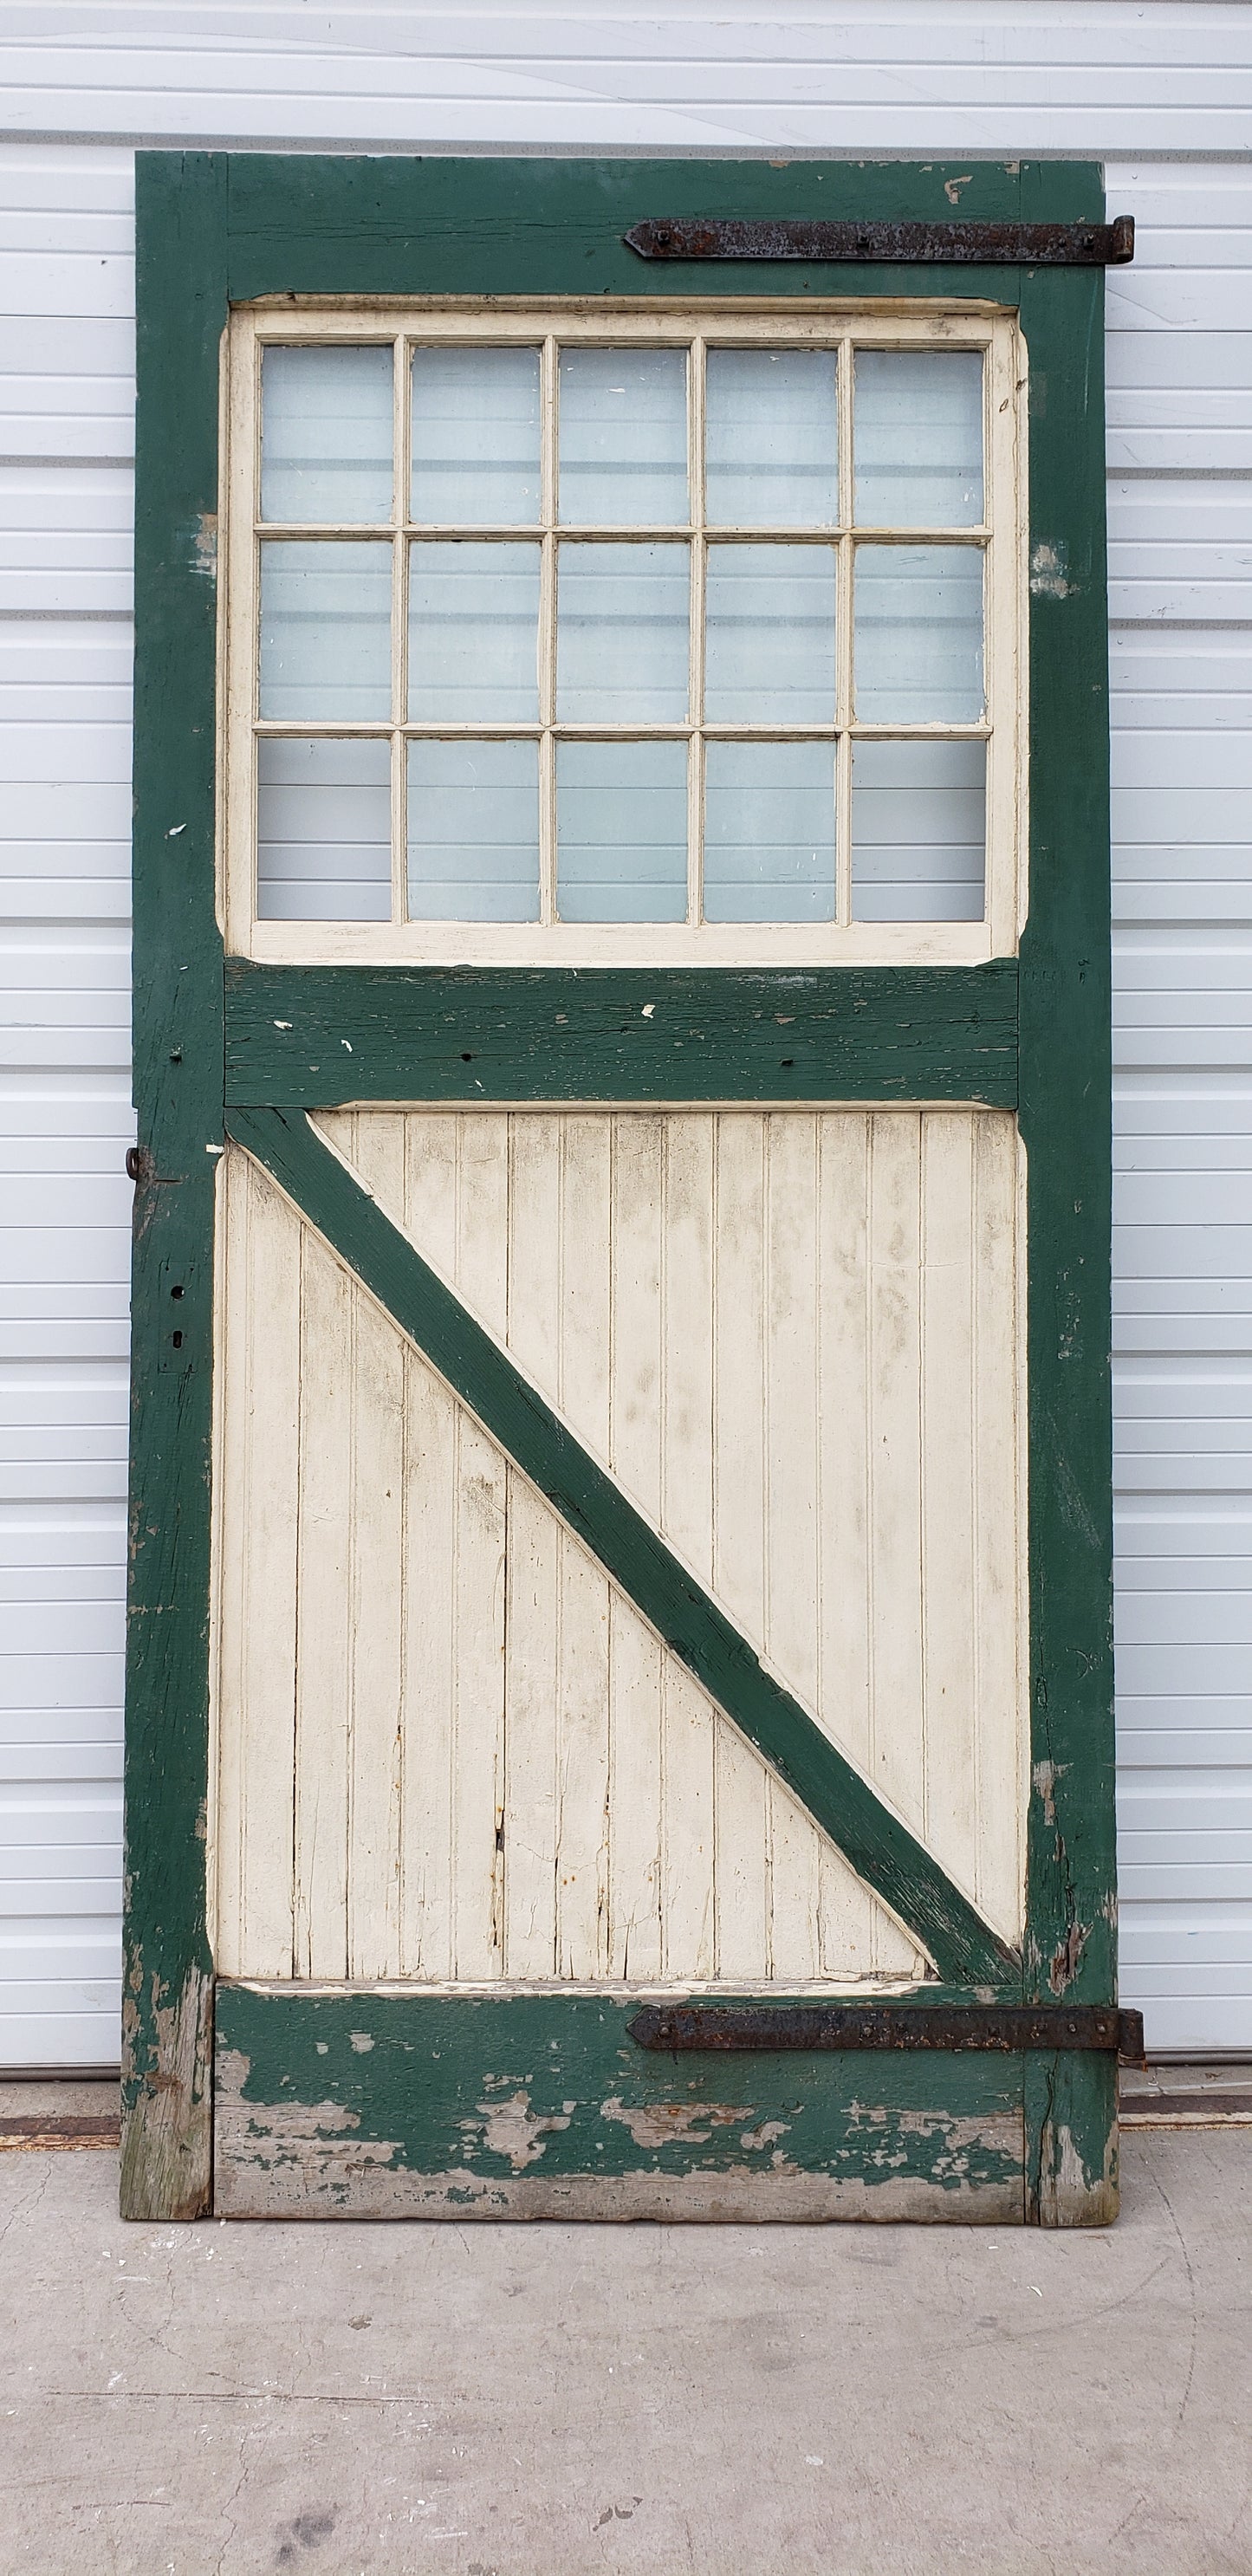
[(167, 2010), (263, 1521), (687, 1827), (532, 1320), (482, 1218), (950, 1369), (429, 1802), (636, 1684), (687, 1204), (739, 1373), (582, 1785), (478, 1748), (845, 1922), (897, 1766), (741, 1855), (1070, 1949), (532, 1661), (843, 1411), (741, 1813), (637, 1393), (583, 1368), (428, 1207), (793, 1556), (373, 1141), (999, 1607), (379, 1565), (230, 1570), (328, 1391)]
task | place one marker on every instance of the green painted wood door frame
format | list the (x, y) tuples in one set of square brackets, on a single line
[(215, 230)]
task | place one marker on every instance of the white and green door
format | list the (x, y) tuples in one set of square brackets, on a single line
[(621, 1588)]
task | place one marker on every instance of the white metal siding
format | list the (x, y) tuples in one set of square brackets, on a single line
[(1162, 94)]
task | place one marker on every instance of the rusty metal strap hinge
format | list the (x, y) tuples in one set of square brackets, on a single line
[(1010, 2028), (795, 237)]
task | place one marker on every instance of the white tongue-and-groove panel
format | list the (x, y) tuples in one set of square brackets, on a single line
[(793, 1338), (449, 1749)]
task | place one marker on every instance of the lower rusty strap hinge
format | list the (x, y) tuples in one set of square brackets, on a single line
[(966, 244), (1010, 2028)]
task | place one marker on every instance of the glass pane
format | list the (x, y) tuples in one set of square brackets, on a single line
[(474, 831), (771, 441), (621, 831), (770, 635), (323, 831), (326, 631), (623, 622), (919, 634), (326, 435), (918, 831), (918, 438), (474, 633), (476, 437), (769, 831), (624, 438)]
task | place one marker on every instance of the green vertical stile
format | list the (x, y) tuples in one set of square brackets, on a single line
[(1065, 1119), (167, 2010)]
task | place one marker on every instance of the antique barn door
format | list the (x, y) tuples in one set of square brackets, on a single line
[(620, 1675)]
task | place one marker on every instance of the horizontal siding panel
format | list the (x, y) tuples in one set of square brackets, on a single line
[(65, 2038), (71, 591), (56, 1745), (55, 810), (1167, 1747), (42, 755), (1162, 758), (92, 284)]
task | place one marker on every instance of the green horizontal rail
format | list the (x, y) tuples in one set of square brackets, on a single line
[(307, 1037)]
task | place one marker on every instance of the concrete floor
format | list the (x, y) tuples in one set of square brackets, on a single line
[(556, 2401)]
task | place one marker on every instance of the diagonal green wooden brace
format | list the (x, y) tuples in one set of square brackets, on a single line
[(878, 1846)]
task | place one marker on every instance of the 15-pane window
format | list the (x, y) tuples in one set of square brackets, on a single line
[(595, 634)]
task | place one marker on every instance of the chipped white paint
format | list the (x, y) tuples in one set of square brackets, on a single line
[(510, 2128), (668, 2124), (497, 1771), (795, 1339)]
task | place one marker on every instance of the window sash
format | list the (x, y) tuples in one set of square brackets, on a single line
[(998, 539)]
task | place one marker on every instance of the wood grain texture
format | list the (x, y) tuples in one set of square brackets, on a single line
[(310, 1036), (882, 1849), (385, 2104), (529, 226), (1072, 1940), (500, 1772), (167, 1995), (793, 1339)]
